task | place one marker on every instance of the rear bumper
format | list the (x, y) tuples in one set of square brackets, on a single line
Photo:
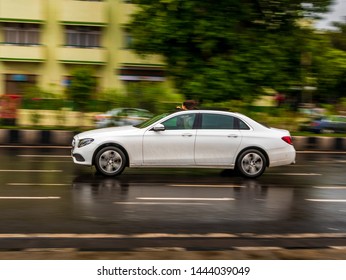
[(285, 156)]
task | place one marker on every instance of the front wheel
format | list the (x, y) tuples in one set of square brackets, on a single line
[(251, 163), (110, 161)]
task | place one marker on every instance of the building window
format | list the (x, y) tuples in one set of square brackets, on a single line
[(66, 82), (83, 36), (18, 83), (136, 79), (22, 34), (136, 74)]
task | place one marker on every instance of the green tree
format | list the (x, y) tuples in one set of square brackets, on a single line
[(338, 37), (328, 67), (82, 87), (224, 49)]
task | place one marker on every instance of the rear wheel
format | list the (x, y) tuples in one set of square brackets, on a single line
[(110, 161), (251, 163)]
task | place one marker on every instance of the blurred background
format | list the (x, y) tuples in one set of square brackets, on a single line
[(67, 64)]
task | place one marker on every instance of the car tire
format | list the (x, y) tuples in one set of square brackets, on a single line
[(251, 163), (110, 161)]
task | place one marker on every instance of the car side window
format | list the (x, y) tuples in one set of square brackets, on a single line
[(185, 121), (239, 124), (219, 121)]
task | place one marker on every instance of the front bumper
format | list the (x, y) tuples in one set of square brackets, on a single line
[(78, 157), (82, 155)]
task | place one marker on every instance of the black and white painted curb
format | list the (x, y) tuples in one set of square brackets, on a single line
[(36, 137), (155, 242), (319, 143), (64, 138)]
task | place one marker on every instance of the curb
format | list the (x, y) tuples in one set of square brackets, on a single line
[(36, 137), (256, 254), (64, 138), (319, 143)]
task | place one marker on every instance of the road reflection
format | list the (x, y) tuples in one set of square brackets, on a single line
[(100, 186), (307, 197), (116, 199)]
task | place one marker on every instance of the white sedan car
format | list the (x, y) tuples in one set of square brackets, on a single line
[(197, 138)]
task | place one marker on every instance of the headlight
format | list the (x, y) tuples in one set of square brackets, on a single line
[(84, 142)]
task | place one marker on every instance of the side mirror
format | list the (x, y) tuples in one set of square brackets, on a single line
[(159, 127)]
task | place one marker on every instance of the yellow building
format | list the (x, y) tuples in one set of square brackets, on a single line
[(42, 41)]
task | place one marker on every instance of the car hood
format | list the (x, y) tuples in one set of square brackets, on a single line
[(104, 131)]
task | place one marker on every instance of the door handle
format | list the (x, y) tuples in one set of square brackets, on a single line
[(232, 136), (187, 135)]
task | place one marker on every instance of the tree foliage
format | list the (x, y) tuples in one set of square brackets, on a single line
[(82, 87), (227, 48), (329, 63), (338, 37)]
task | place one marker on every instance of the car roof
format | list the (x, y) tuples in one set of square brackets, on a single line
[(206, 111)]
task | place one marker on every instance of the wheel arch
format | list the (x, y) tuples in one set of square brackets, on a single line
[(112, 145), (254, 148)]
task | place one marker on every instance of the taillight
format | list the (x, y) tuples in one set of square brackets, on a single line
[(287, 139)]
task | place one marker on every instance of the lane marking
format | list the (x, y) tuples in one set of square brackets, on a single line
[(115, 236), (330, 187), (172, 235), (337, 247), (45, 156), (35, 184), (50, 161), (320, 152), (245, 248), (206, 186), (296, 235), (296, 174), (161, 203), (160, 249), (30, 197), (34, 171), (187, 198), (51, 250), (325, 200), (36, 147)]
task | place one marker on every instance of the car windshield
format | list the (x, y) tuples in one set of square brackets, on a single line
[(151, 121)]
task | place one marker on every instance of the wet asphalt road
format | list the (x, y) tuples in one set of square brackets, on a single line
[(47, 202)]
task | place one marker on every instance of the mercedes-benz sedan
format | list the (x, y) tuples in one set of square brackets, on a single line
[(197, 138)]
